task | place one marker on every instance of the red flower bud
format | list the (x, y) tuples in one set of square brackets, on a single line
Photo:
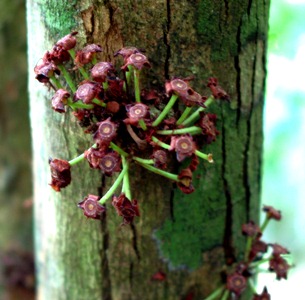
[(91, 207), (60, 173), (251, 229), (85, 55), (185, 181), (126, 52), (45, 70), (272, 213), (216, 90), (263, 296)]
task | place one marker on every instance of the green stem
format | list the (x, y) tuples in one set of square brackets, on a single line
[(265, 223), (184, 115), (128, 78), (143, 160), (126, 184), (215, 294), (99, 102), (225, 295), (200, 154), (81, 69), (165, 110), (259, 262), (80, 104), (115, 185), (190, 130), (248, 248), (105, 86), (118, 149), (55, 82), (142, 124), (195, 115), (79, 158), (136, 79), (252, 285), (68, 77), (168, 175)]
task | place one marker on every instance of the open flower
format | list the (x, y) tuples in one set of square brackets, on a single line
[(106, 132), (60, 173), (59, 100), (280, 266), (91, 207), (67, 42), (217, 91), (183, 145), (207, 124), (101, 71), (272, 213), (45, 70), (251, 229), (236, 283), (160, 158), (86, 55), (110, 163), (87, 91), (137, 60), (126, 208), (263, 296)]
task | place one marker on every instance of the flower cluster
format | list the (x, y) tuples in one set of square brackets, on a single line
[(257, 252), (127, 122)]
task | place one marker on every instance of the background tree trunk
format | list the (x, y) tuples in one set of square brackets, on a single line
[(16, 261), (190, 238)]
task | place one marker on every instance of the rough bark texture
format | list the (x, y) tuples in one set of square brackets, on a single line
[(15, 160), (190, 238)]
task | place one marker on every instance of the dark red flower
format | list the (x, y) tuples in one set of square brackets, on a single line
[(207, 123), (86, 55), (94, 156), (272, 213), (91, 207), (59, 100), (57, 56), (160, 158), (217, 91), (106, 132), (45, 70), (137, 60), (192, 98), (101, 71), (183, 145), (126, 52), (60, 173), (185, 181), (251, 229), (263, 296), (280, 266), (126, 208), (236, 283), (135, 113), (110, 163), (68, 42), (87, 91), (258, 247), (176, 86), (278, 250)]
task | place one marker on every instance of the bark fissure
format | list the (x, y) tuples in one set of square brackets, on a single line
[(238, 73), (228, 231), (135, 241)]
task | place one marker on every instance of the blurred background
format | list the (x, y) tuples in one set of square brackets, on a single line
[(284, 149), (284, 143)]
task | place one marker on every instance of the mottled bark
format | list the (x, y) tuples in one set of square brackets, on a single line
[(15, 161), (190, 238)]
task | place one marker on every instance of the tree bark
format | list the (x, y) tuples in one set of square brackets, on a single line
[(189, 237)]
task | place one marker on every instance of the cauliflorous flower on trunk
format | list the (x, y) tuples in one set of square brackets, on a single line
[(280, 266), (135, 113), (126, 208), (125, 52), (88, 91), (137, 60), (251, 229), (91, 207), (110, 163), (207, 124), (217, 91), (45, 70), (272, 213), (183, 145), (160, 158), (85, 55), (258, 248), (263, 296), (101, 71), (59, 100), (94, 156), (67, 42), (60, 173), (278, 250), (106, 132), (236, 283), (185, 181)]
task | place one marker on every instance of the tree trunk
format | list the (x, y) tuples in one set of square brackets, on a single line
[(189, 237), (15, 158)]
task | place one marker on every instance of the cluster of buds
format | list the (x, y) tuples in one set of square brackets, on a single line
[(128, 123), (257, 252)]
